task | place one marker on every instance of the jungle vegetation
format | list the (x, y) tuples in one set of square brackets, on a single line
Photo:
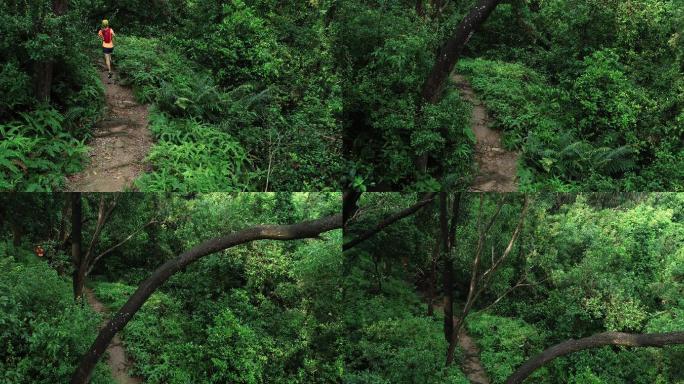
[(556, 288), (590, 93), (256, 287), (244, 95)]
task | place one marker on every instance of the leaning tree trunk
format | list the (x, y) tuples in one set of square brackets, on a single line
[(595, 341), (307, 229), (448, 56)]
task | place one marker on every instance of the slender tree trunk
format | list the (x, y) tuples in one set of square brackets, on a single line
[(432, 279), (595, 341), (42, 73), (43, 70), (76, 250), (448, 269), (17, 232), (455, 326), (307, 229)]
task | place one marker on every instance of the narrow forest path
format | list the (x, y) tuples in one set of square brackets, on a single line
[(471, 365), (119, 146), (117, 359), (497, 166)]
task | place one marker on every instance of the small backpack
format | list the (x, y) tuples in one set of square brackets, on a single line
[(107, 35)]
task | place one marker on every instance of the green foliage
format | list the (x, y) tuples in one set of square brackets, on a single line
[(290, 138), (505, 343), (238, 47), (589, 92), (37, 151), (43, 332), (42, 142), (383, 67), (191, 156)]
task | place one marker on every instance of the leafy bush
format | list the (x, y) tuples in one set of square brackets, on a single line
[(505, 343), (44, 332), (36, 152), (193, 156)]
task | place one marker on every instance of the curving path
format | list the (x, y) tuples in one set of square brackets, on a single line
[(497, 166), (117, 359), (119, 145)]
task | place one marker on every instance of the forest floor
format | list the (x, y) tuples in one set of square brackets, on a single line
[(497, 166), (119, 146), (117, 359), (471, 364)]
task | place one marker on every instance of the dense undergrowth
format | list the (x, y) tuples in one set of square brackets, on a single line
[(40, 141), (589, 92), (247, 101), (43, 332), (584, 264)]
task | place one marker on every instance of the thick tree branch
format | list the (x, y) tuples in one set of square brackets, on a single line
[(307, 229), (595, 341), (389, 220), (451, 50)]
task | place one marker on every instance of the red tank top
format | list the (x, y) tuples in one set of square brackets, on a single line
[(107, 35)]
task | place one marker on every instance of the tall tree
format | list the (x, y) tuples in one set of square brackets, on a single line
[(43, 70), (448, 56), (76, 239), (480, 280)]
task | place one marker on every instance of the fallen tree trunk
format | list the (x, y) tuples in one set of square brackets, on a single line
[(307, 229), (595, 341)]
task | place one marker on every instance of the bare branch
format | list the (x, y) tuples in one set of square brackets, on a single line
[(389, 220)]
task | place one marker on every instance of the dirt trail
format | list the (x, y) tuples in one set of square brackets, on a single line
[(471, 365), (119, 146), (117, 360), (497, 166)]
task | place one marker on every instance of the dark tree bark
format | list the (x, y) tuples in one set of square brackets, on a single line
[(446, 60), (307, 229), (480, 281), (76, 239), (448, 269), (432, 282), (451, 51), (595, 341), (84, 261), (389, 220), (350, 200), (43, 70), (420, 8)]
